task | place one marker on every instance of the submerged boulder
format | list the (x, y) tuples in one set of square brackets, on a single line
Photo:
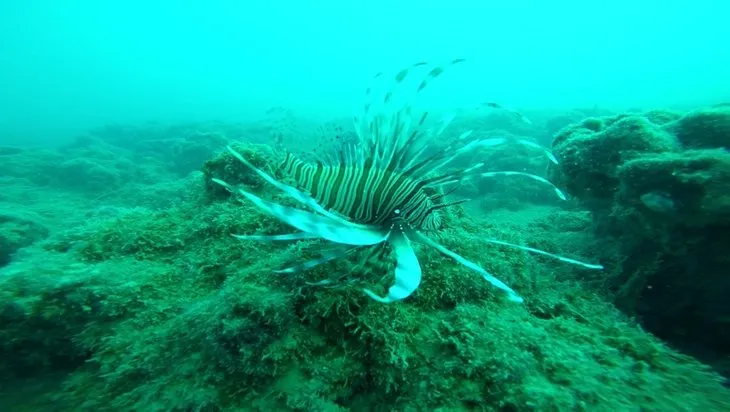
[(226, 167), (695, 182), (591, 152), (705, 128), (18, 230), (658, 186)]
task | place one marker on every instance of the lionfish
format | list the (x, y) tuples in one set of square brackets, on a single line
[(385, 190)]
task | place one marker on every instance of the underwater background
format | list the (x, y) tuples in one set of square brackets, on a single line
[(122, 289)]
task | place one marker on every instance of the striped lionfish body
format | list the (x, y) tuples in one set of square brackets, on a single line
[(366, 194), (386, 188)]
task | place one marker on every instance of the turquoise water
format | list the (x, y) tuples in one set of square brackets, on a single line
[(496, 206), (69, 66)]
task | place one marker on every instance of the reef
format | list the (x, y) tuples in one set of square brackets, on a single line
[(658, 187), (142, 300)]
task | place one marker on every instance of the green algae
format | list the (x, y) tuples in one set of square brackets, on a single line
[(164, 310), (659, 197)]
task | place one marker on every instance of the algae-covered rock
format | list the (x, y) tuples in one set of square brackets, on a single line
[(17, 230), (88, 174), (34, 165), (704, 128), (663, 213), (690, 188), (240, 336), (226, 167), (662, 117), (162, 309), (591, 151), (52, 310)]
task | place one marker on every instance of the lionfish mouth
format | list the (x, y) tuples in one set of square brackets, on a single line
[(378, 191)]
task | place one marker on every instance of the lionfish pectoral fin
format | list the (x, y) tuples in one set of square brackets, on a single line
[(407, 272), (337, 231), (275, 238), (324, 258), (374, 260), (511, 294)]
